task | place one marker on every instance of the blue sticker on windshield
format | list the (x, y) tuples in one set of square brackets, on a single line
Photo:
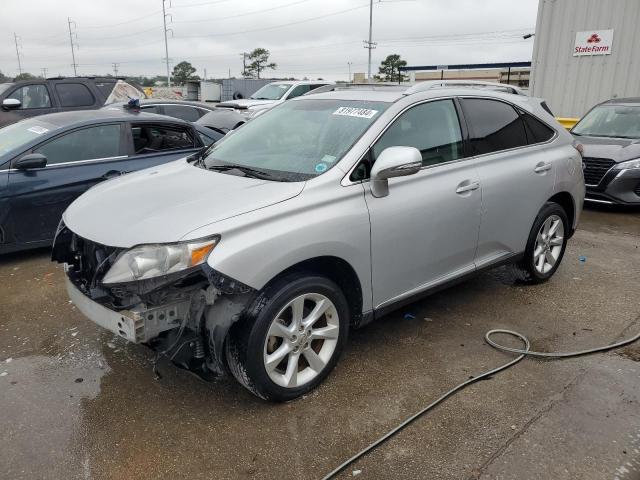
[(321, 167)]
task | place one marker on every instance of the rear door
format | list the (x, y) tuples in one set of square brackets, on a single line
[(517, 178), (76, 160), (74, 95)]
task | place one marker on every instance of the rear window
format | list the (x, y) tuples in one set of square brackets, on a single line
[(105, 88), (537, 131), (74, 95), (494, 125)]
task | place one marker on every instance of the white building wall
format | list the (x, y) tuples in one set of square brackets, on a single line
[(572, 85)]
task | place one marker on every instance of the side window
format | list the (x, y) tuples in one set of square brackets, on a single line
[(149, 109), (32, 96), (299, 90), (537, 131), (183, 112), (210, 138), (74, 95), (493, 125), (159, 138), (433, 128), (102, 141)]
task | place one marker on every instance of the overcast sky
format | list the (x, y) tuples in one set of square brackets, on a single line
[(313, 38)]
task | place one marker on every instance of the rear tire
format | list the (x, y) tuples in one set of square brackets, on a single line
[(546, 245), (291, 338)]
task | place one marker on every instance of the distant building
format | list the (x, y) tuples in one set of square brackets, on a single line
[(585, 51)]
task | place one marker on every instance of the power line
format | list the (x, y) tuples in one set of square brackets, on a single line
[(115, 68), (149, 15), (254, 12), (201, 4)]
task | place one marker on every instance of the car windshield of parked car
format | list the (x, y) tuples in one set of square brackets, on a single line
[(17, 134), (297, 140), (273, 91), (618, 121)]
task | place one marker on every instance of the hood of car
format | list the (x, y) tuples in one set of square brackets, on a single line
[(163, 204), (617, 149), (245, 103)]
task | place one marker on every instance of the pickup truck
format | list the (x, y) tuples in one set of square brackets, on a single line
[(29, 98)]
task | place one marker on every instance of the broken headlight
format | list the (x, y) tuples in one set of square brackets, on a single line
[(155, 260)]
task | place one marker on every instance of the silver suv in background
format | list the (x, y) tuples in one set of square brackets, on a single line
[(316, 217), (271, 95)]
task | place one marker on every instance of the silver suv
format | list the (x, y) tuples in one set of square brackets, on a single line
[(260, 254)]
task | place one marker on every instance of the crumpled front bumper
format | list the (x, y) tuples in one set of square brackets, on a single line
[(138, 325)]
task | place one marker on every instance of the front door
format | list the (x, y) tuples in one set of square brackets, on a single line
[(76, 161), (425, 231)]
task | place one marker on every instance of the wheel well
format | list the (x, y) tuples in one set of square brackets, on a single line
[(565, 200), (339, 271)]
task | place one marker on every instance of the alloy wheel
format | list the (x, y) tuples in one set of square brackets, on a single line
[(549, 242), (301, 340)]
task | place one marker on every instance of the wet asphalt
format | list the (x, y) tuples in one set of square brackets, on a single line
[(78, 403)]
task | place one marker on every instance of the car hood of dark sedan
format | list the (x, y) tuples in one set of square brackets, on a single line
[(162, 204), (617, 149)]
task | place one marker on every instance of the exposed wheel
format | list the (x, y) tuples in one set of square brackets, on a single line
[(292, 340), (546, 245), (238, 95)]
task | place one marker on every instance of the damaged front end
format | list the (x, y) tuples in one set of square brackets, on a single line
[(166, 297)]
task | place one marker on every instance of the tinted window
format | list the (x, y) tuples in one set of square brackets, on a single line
[(102, 141), (105, 88), (150, 109), (155, 138), (74, 95), (299, 90), (432, 128), (493, 125), (32, 96), (210, 137), (190, 114), (537, 131)]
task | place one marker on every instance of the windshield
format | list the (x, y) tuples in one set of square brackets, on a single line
[(619, 121), (4, 86), (17, 134), (273, 91), (297, 140)]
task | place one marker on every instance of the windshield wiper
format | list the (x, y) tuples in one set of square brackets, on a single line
[(248, 171)]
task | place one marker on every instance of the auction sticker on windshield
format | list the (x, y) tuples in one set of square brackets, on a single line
[(355, 112)]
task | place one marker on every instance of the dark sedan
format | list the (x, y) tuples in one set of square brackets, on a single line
[(48, 161), (183, 109), (610, 136)]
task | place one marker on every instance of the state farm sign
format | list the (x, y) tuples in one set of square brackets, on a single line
[(593, 42)]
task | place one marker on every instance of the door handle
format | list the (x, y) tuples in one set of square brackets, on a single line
[(467, 187), (542, 167)]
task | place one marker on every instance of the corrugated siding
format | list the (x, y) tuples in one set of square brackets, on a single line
[(572, 85)]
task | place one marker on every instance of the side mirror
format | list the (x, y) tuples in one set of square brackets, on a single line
[(11, 103), (393, 162), (31, 161)]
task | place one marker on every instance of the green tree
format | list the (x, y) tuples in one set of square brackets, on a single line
[(182, 72), (389, 70), (259, 59), (24, 76)]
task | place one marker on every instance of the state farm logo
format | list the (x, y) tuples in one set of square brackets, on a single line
[(594, 38)]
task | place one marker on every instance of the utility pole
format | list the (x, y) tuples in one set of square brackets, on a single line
[(73, 53), (370, 44), (349, 64), (44, 72), (166, 43), (244, 64), (115, 68), (15, 39)]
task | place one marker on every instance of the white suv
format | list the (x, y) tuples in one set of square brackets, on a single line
[(270, 95)]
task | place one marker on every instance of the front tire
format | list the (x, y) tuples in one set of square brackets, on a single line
[(546, 245), (291, 337)]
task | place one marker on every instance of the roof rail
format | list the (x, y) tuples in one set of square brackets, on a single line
[(431, 84), (358, 86)]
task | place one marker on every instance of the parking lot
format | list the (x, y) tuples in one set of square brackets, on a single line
[(78, 403)]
